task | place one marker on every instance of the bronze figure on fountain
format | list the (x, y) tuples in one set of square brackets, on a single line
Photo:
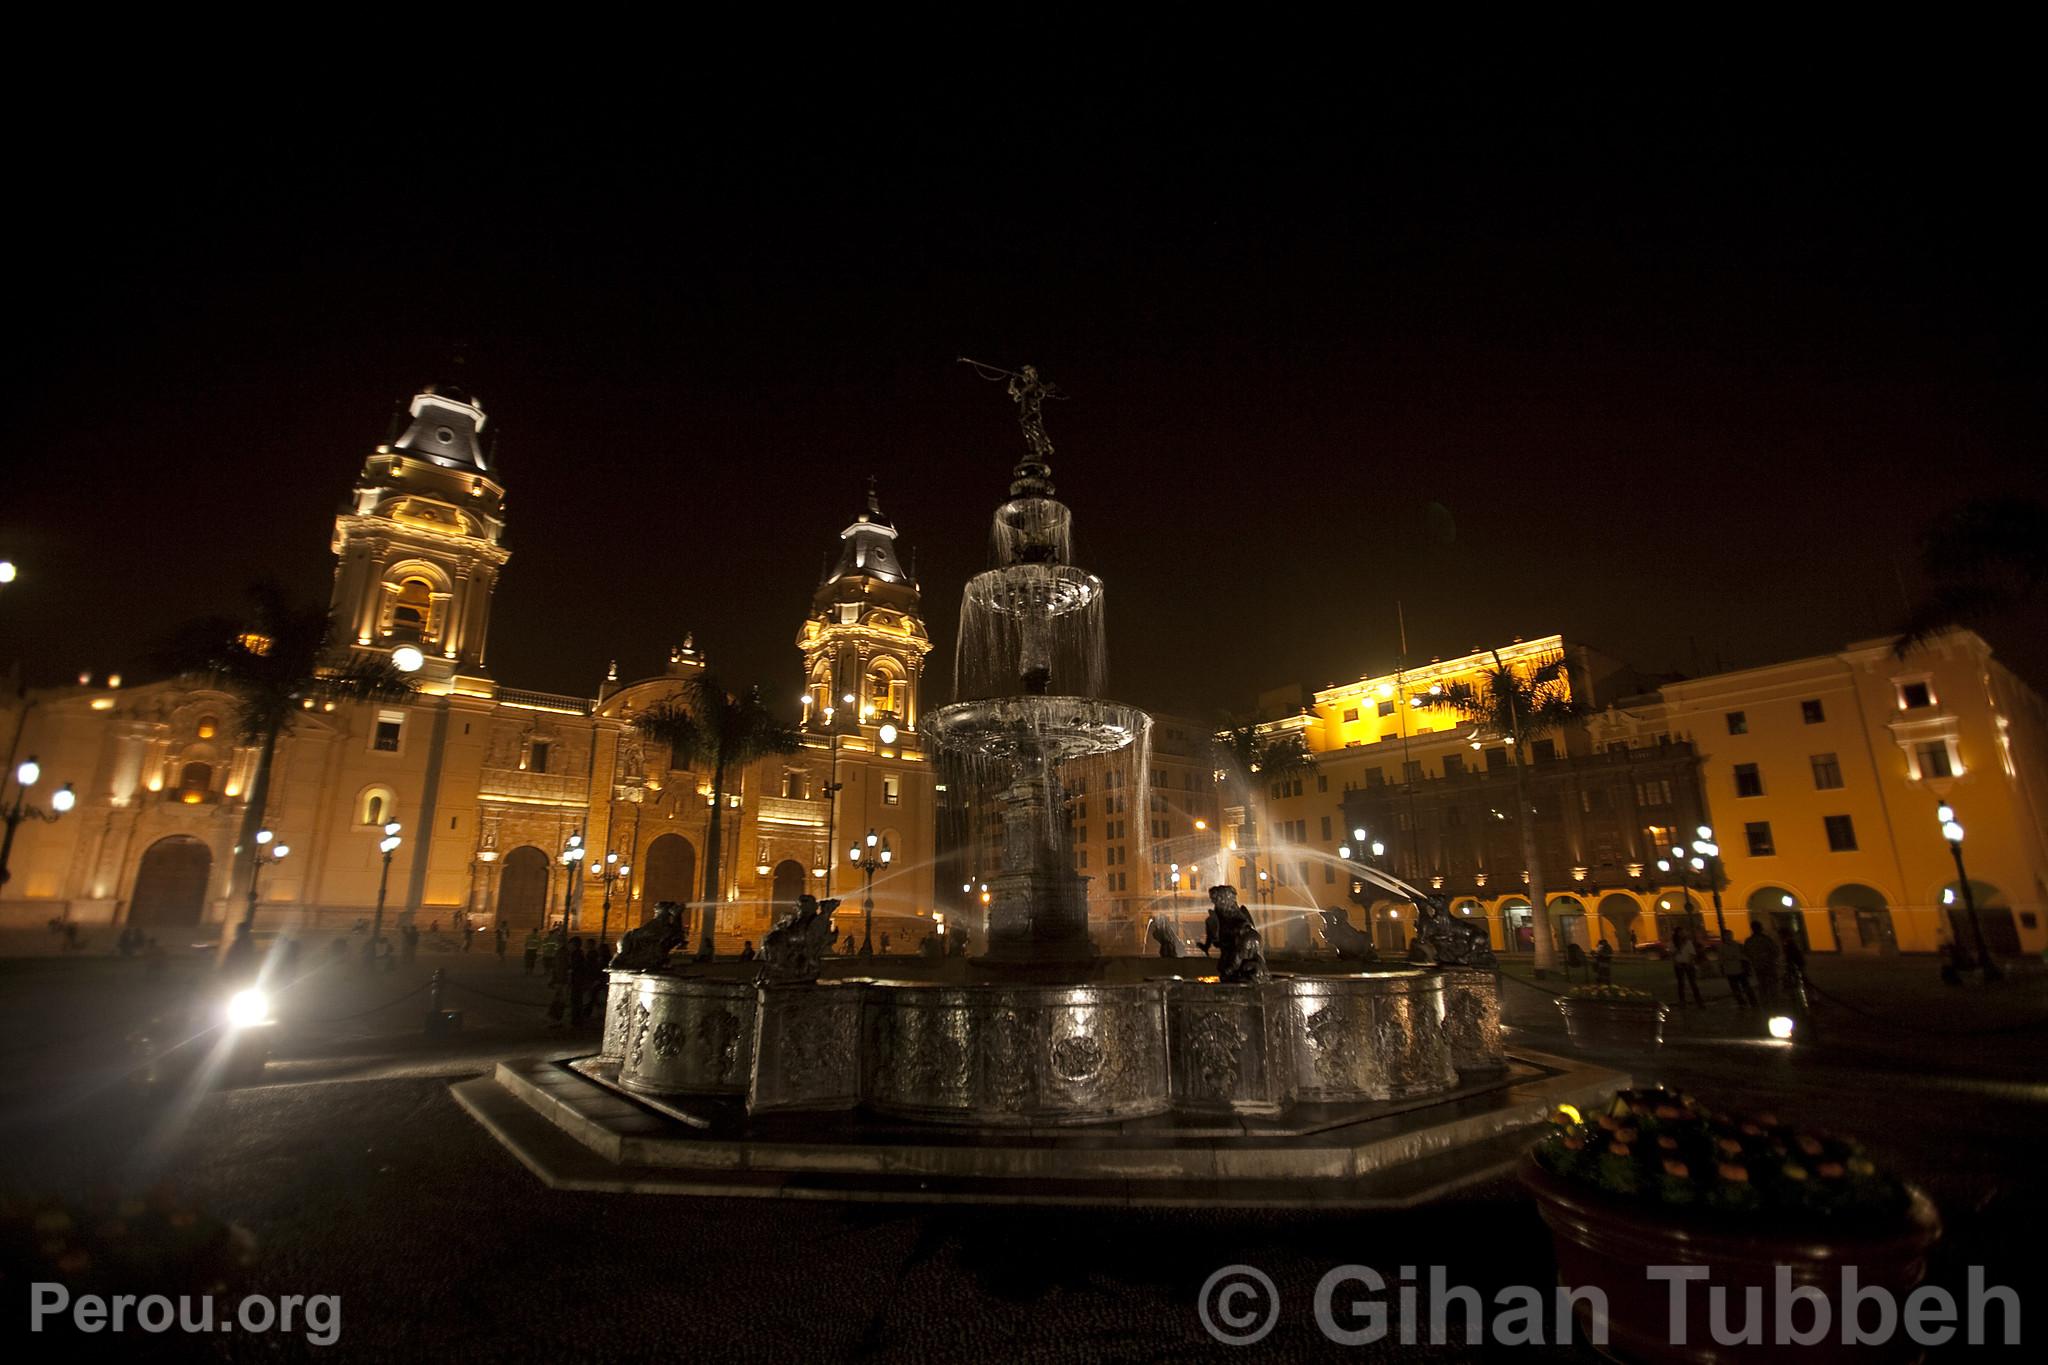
[(795, 950), (1240, 956), (1446, 941), (646, 949)]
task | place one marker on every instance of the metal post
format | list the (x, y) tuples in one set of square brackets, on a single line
[(376, 924), (1985, 965)]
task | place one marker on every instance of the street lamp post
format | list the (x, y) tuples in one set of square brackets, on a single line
[(1175, 874), (266, 842), (869, 858), (572, 858), (25, 776), (1952, 830), (612, 870), (388, 845)]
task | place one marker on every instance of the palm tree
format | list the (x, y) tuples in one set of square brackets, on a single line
[(271, 661), (1514, 706), (1988, 556), (707, 724)]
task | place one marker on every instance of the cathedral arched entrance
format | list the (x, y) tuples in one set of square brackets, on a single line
[(788, 885), (170, 884), (669, 873), (523, 889)]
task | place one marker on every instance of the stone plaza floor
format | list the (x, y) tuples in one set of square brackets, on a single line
[(359, 1176)]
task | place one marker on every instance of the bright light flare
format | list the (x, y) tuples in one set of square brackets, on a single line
[(248, 1009), (1781, 1026)]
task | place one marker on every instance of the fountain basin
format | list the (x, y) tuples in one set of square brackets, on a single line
[(1022, 1053), (1055, 728), (1377, 1037), (687, 1036)]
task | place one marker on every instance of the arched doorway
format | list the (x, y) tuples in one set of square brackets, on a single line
[(1777, 910), (668, 873), (1618, 913), (1517, 926), (170, 884), (1861, 918), (523, 889), (2001, 934), (1568, 922), (789, 884), (1389, 931), (1678, 910)]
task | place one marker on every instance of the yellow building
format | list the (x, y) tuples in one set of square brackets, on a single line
[(1377, 737), (489, 782), (1819, 778), (1822, 777)]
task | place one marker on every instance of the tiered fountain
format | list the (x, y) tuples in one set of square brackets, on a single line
[(1037, 1033)]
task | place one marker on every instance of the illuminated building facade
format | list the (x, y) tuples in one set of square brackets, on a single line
[(488, 781), (1819, 778)]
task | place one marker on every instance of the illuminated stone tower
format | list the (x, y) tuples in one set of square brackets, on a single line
[(417, 555), (864, 642)]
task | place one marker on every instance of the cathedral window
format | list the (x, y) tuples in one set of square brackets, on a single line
[(195, 782), (376, 806), (413, 612)]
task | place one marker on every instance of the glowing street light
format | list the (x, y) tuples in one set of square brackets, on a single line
[(572, 858), (1952, 830), (26, 775), (387, 846), (870, 855)]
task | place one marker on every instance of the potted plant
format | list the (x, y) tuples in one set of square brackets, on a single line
[(1608, 1016), (1661, 1181)]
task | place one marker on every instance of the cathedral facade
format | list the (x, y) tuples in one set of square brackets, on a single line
[(490, 784)]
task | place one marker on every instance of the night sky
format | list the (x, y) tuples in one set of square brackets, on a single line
[(1679, 368)]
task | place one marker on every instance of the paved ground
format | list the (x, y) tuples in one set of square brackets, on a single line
[(358, 1176)]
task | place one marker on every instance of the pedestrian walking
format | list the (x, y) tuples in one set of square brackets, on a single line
[(550, 954), (532, 949), (1603, 962), (1735, 966), (1685, 966), (1762, 956), (504, 937)]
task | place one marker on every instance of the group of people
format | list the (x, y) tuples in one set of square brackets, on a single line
[(1756, 969), (575, 968)]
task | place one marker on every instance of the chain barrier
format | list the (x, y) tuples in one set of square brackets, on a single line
[(395, 1000)]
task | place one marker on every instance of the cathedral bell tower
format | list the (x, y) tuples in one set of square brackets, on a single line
[(418, 552), (864, 642)]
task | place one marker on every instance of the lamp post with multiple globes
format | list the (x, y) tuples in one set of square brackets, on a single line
[(572, 859), (266, 843), (1952, 831), (62, 800), (611, 871), (869, 858), (387, 846)]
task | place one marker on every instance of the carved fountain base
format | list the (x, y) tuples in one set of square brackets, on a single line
[(1019, 1053)]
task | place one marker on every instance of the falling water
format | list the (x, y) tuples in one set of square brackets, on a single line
[(1029, 669)]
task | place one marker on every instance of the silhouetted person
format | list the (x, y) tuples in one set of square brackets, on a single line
[(1603, 962), (532, 949), (504, 938), (1761, 953), (747, 951), (1685, 966)]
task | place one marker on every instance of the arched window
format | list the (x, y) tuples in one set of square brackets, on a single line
[(195, 783), (375, 806), (413, 612), (887, 689)]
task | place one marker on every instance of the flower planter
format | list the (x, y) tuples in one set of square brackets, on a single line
[(1609, 1243), (1613, 1023)]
